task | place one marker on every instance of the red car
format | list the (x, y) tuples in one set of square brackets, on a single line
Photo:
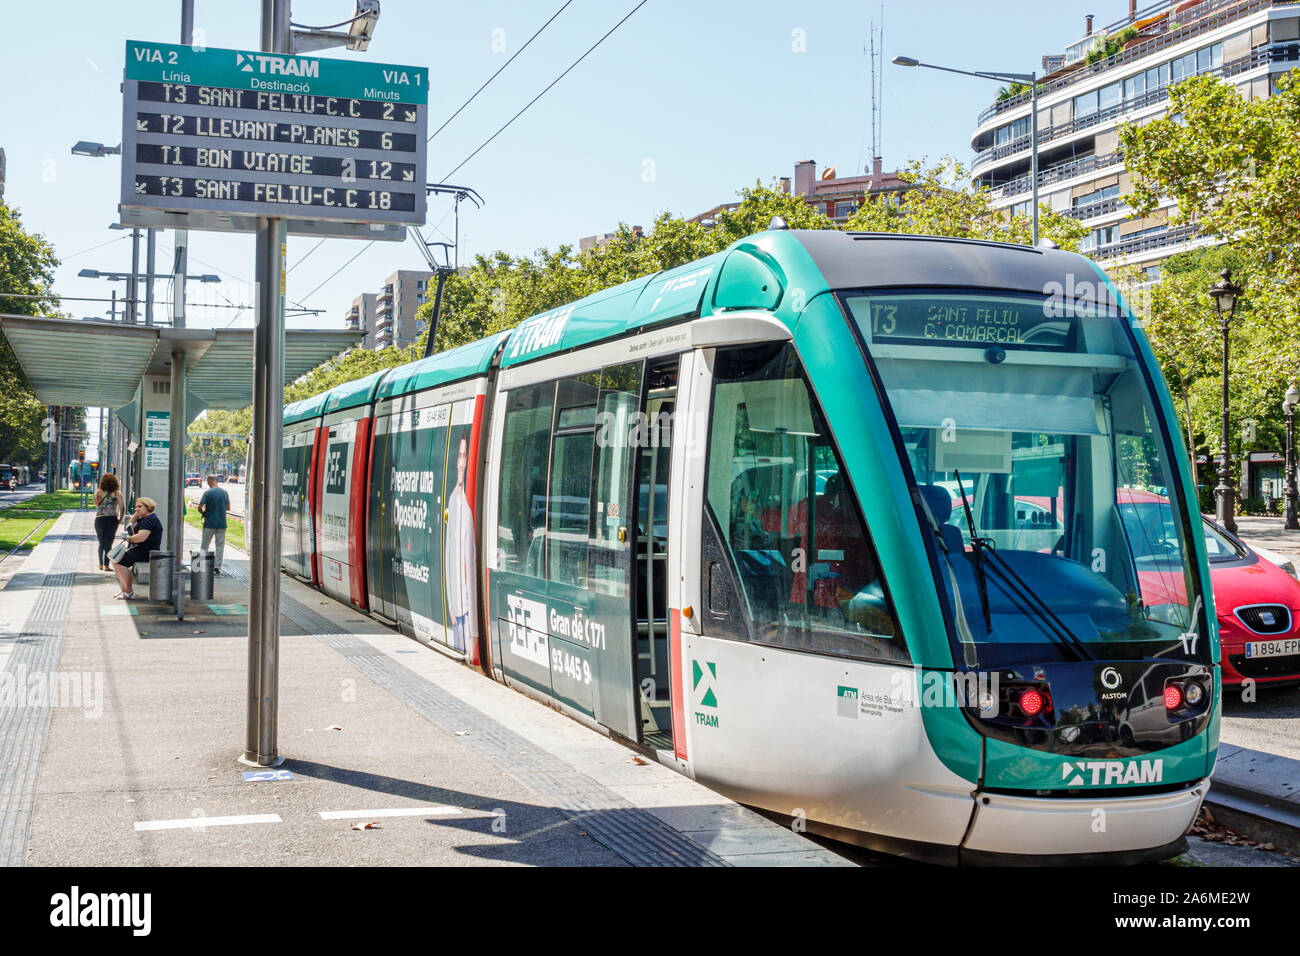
[(1257, 602)]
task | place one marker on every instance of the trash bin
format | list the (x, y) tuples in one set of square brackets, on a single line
[(201, 565), (162, 571)]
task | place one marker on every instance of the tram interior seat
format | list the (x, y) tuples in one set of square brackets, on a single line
[(759, 547), (938, 501)]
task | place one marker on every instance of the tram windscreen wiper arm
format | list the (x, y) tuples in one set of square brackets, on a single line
[(1057, 628), (977, 544), (1064, 634)]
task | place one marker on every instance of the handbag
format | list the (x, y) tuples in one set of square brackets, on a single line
[(119, 550)]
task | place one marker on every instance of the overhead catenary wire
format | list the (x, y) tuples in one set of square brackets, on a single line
[(93, 248), (423, 247), (341, 268), (415, 232), (231, 275), (121, 300), (319, 243), (544, 91), (498, 72)]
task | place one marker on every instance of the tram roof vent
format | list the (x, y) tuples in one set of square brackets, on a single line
[(1047, 244), (777, 223)]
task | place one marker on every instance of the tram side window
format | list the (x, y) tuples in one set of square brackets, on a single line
[(526, 448), (620, 398), (568, 504), (777, 488)]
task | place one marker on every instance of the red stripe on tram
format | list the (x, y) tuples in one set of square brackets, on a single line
[(675, 674)]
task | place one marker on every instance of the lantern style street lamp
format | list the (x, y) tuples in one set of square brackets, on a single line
[(1288, 409), (1225, 293)]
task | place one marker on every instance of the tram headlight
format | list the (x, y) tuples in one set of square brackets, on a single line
[(1193, 693)]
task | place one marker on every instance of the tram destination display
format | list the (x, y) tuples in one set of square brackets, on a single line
[(212, 139), (1016, 322)]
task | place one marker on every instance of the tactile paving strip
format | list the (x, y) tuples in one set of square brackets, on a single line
[(24, 717), (637, 836)]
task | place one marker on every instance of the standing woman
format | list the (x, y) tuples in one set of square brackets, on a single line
[(109, 507), (146, 537)]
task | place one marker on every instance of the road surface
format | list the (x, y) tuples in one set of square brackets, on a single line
[(235, 491), (10, 498)]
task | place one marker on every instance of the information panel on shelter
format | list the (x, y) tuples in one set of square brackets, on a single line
[(264, 134)]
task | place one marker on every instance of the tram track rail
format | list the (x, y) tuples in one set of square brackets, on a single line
[(49, 516)]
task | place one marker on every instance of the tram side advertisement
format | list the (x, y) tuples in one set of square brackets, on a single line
[(232, 135)]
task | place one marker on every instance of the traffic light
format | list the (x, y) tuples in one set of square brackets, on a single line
[(81, 456)]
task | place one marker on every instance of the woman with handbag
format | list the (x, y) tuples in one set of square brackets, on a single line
[(146, 537), (109, 507)]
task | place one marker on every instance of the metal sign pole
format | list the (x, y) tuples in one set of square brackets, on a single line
[(133, 284), (176, 478), (264, 493), (151, 245), (49, 451)]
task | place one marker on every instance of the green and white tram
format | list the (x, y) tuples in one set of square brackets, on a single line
[(841, 525)]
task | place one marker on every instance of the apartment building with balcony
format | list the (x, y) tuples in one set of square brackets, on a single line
[(362, 316), (1082, 104), (396, 303)]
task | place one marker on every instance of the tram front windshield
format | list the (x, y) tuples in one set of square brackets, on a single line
[(1053, 508)]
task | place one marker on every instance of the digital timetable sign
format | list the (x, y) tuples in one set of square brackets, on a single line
[(212, 139)]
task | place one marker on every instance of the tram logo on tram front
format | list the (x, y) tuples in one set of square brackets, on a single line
[(1078, 773)]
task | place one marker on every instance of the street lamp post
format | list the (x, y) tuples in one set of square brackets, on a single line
[(1032, 80), (1288, 409), (1225, 293)]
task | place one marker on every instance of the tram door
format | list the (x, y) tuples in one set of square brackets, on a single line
[(652, 567)]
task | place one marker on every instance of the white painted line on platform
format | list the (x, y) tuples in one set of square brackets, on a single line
[(194, 823), (390, 812)]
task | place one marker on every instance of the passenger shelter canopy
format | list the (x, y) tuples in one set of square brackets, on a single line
[(100, 364)]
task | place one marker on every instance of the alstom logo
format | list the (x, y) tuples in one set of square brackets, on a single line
[(1078, 773), (284, 66)]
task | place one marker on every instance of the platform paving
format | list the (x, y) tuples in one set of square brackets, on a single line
[(395, 754)]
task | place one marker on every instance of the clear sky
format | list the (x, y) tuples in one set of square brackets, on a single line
[(686, 103)]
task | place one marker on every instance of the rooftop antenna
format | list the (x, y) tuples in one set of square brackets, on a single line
[(875, 53)]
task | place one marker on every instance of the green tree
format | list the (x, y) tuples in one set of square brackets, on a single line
[(944, 203), (499, 291), (27, 264), (227, 422), (352, 365), (1183, 328), (1232, 166)]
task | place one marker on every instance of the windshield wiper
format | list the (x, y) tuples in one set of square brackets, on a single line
[(978, 544), (1057, 628), (1064, 633)]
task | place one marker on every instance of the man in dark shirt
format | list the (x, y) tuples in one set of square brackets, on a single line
[(213, 506)]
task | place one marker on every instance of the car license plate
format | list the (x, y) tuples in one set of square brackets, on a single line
[(1273, 648)]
